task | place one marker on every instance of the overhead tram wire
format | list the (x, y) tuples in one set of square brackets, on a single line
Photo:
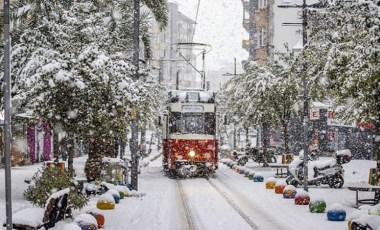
[(195, 23)]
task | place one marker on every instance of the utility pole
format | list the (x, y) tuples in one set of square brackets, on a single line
[(305, 83), (134, 128), (7, 116), (305, 102)]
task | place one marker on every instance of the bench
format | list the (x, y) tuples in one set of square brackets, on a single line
[(363, 187), (56, 209), (282, 170)]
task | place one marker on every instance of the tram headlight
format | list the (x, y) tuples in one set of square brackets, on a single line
[(192, 153)]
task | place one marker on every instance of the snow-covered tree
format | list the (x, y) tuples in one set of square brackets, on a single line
[(72, 66), (343, 55), (248, 101), (265, 95)]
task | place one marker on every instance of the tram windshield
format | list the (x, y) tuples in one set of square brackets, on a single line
[(194, 123)]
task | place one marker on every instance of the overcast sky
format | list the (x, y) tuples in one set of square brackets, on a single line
[(220, 25)]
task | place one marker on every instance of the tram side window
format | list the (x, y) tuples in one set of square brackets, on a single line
[(175, 123), (210, 123)]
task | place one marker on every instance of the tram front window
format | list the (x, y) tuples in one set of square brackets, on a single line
[(195, 123)]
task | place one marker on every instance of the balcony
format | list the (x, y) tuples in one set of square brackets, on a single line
[(246, 24), (245, 44)]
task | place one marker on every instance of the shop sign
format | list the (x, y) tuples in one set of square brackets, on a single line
[(333, 121), (314, 114)]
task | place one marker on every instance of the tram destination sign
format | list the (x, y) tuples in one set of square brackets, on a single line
[(192, 108)]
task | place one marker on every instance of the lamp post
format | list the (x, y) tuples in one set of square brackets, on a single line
[(305, 90), (7, 115)]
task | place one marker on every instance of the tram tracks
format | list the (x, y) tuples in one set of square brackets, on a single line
[(189, 216), (234, 206), (187, 213)]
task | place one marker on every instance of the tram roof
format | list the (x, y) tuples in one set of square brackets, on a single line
[(191, 96)]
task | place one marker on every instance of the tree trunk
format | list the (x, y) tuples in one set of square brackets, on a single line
[(98, 148), (266, 142), (286, 137), (246, 136), (142, 142), (70, 152)]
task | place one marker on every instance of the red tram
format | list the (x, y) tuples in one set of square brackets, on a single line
[(190, 124)]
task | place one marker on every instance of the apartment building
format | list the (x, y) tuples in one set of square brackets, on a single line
[(270, 27), (171, 68)]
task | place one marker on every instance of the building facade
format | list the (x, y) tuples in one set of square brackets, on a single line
[(171, 68), (270, 27)]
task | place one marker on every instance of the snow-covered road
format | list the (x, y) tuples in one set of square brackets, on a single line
[(230, 201)]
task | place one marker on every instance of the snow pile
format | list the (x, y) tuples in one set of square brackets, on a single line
[(107, 185), (374, 210), (324, 164), (106, 198), (29, 216), (335, 207), (367, 216), (57, 194), (70, 226), (113, 192), (86, 219), (281, 183), (290, 188), (302, 193), (93, 210), (271, 179), (144, 163), (121, 188), (344, 152)]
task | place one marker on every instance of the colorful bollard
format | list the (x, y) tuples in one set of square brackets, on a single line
[(258, 178), (317, 206), (302, 198), (270, 183), (336, 212), (279, 187), (289, 192)]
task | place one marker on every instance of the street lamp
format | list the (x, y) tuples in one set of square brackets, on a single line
[(289, 4)]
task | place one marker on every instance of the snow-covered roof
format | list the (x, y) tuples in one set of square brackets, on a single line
[(320, 105), (191, 96)]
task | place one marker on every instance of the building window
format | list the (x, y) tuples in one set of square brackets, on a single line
[(262, 35), (262, 4)]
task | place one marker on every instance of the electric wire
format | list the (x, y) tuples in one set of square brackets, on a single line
[(195, 23)]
